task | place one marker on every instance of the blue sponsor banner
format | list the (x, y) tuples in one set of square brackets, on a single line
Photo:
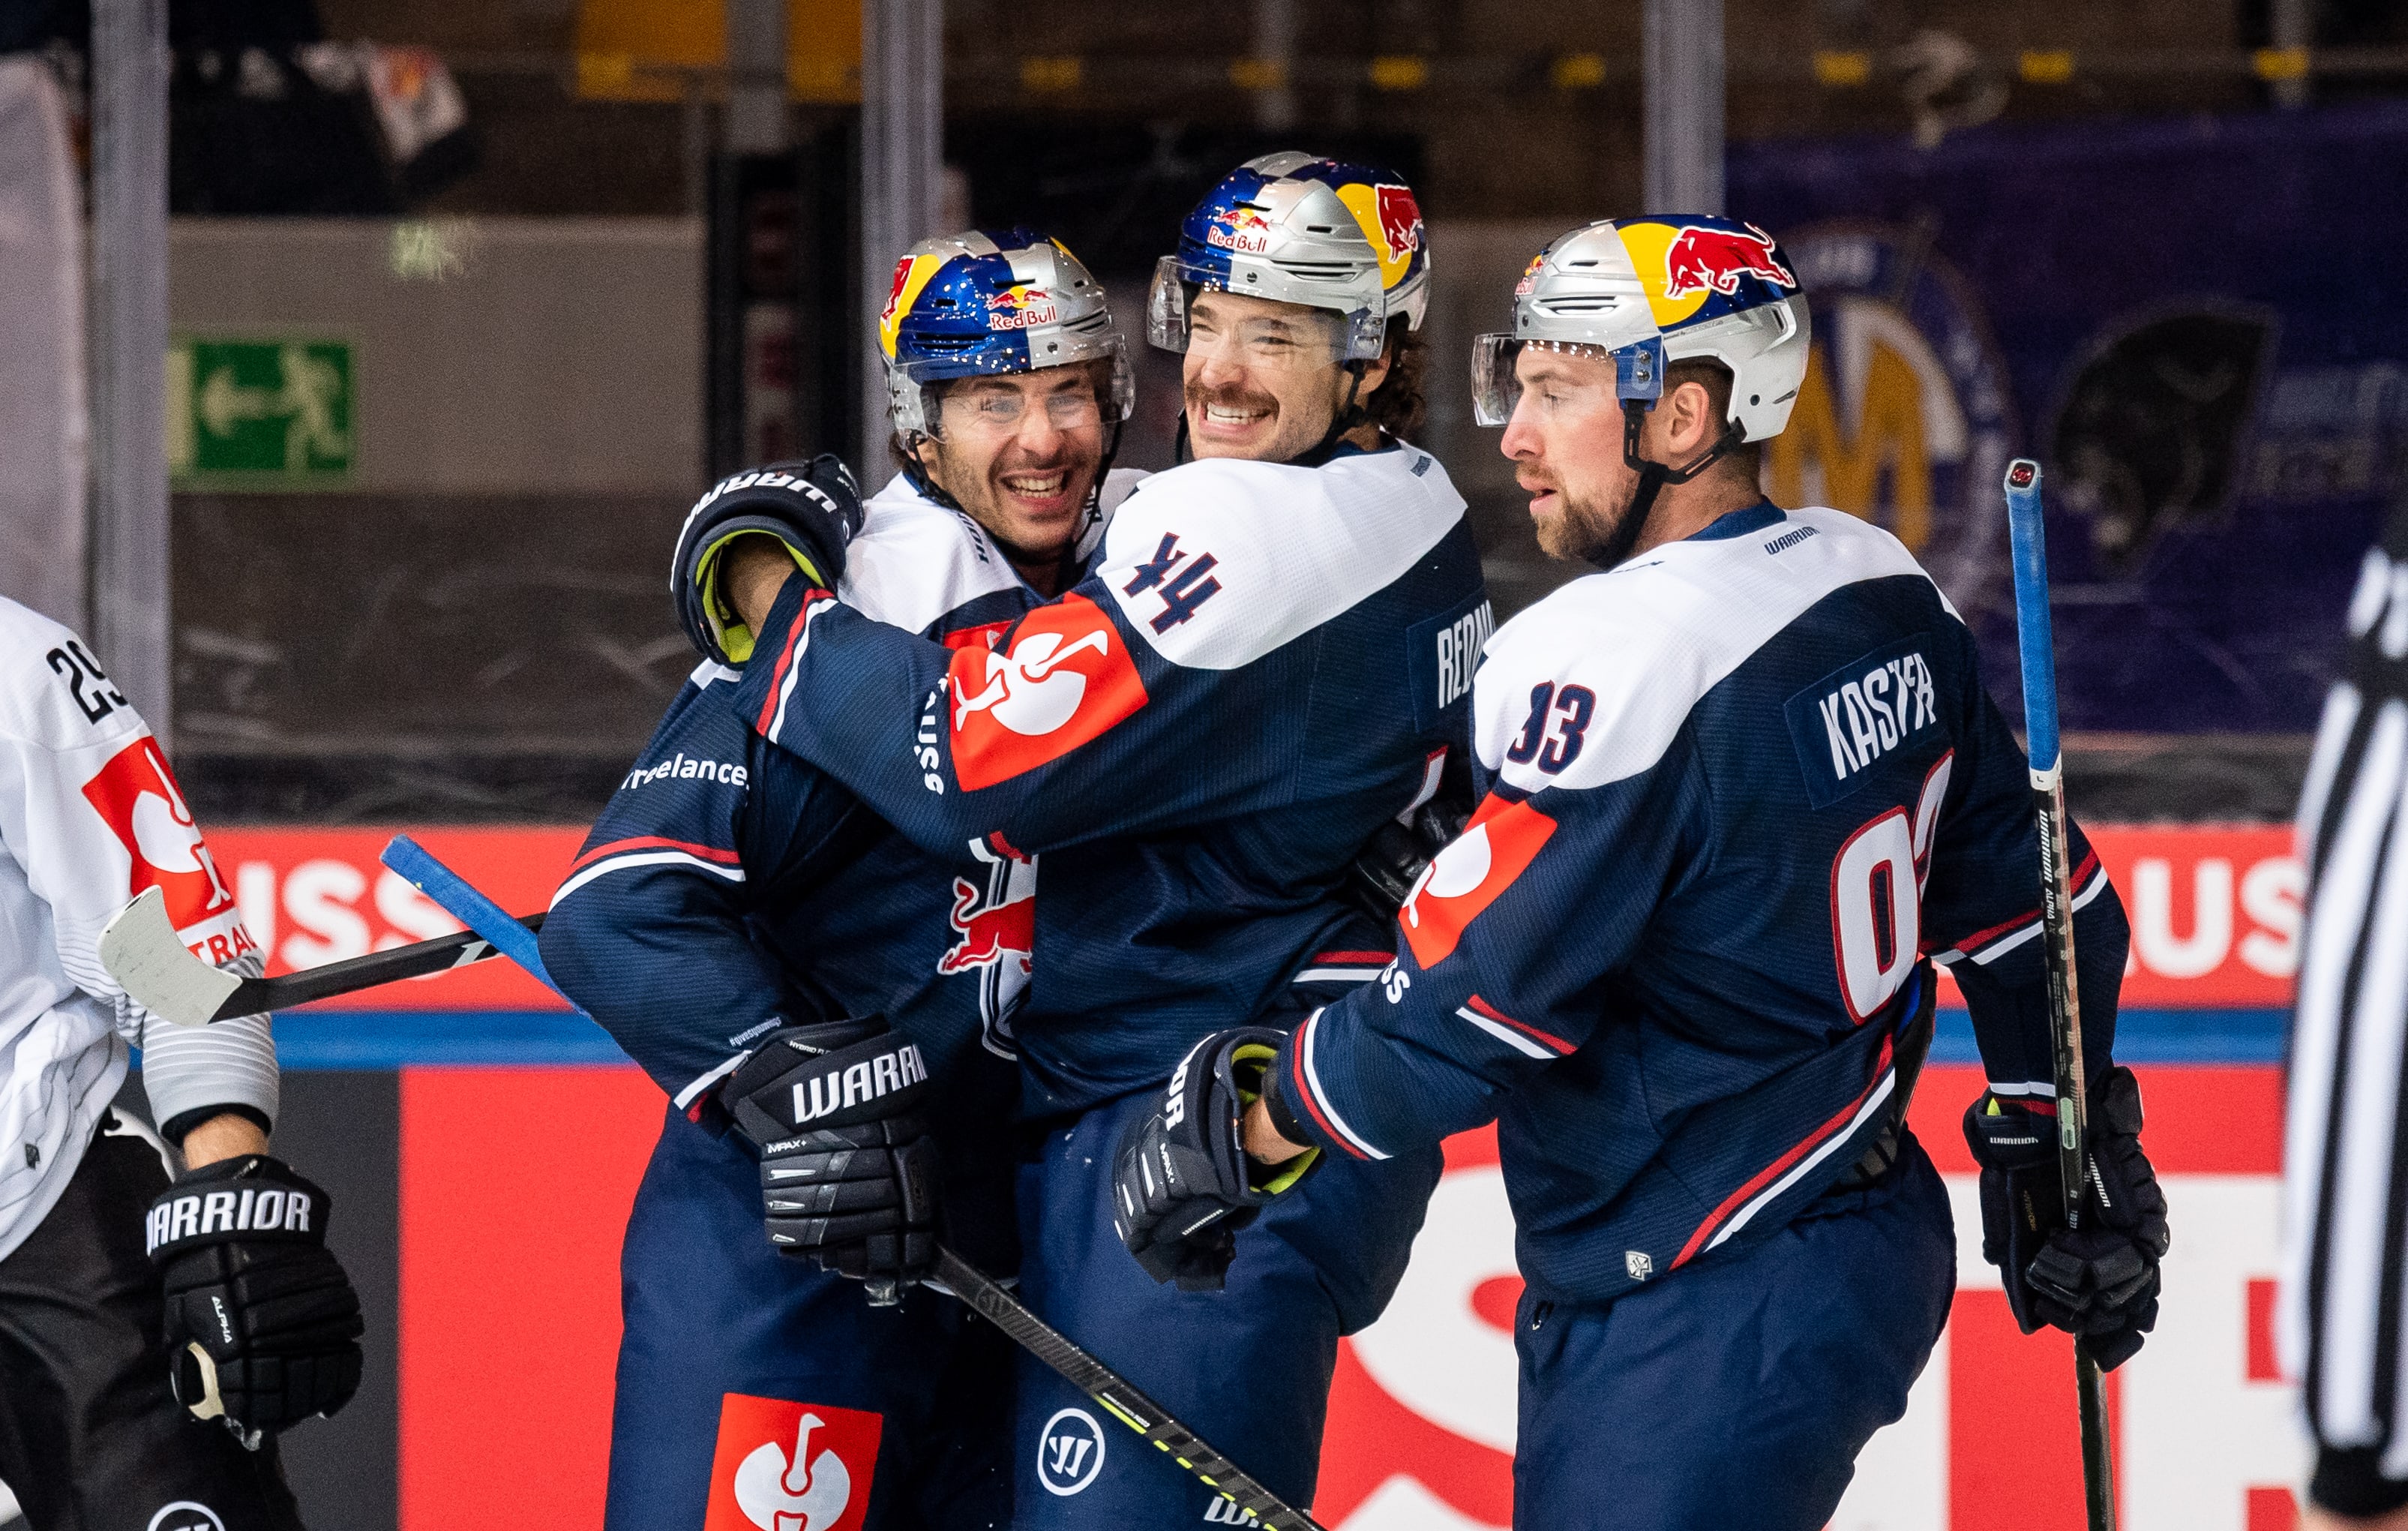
[(2193, 324)]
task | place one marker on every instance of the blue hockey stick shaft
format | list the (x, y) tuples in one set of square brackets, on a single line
[(1119, 1396), (459, 899), (2037, 649)]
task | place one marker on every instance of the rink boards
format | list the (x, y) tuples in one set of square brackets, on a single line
[(489, 1149)]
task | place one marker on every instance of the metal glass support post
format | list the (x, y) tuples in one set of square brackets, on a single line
[(902, 173), (1684, 93), (129, 604)]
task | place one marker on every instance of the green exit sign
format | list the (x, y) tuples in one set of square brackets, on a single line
[(260, 414)]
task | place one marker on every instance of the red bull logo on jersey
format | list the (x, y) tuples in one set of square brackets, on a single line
[(1241, 230), (989, 933), (1700, 259), (1020, 307), (790, 1467), (1060, 680)]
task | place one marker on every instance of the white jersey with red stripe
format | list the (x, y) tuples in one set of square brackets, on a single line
[(1739, 792), (90, 815)]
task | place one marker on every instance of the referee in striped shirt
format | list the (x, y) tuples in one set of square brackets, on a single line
[(2345, 1191)]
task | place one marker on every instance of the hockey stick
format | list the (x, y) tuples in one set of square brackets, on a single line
[(2038, 653), (140, 949), (985, 1296)]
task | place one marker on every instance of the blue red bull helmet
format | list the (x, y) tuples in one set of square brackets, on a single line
[(980, 303), (1296, 229), (1650, 292)]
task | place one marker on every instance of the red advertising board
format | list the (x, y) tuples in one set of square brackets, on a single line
[(505, 1385), (312, 896), (2214, 909)]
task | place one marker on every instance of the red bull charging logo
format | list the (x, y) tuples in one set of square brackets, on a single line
[(1400, 220), (1020, 307), (1700, 259), (1240, 229), (986, 932)]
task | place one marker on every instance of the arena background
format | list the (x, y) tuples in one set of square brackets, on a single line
[(462, 304)]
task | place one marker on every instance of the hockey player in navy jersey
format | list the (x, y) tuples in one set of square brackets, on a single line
[(737, 919), (1269, 662), (1743, 789)]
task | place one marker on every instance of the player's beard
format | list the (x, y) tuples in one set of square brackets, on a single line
[(1600, 534)]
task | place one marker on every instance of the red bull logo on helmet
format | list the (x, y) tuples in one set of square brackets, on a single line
[(1240, 229), (1400, 220), (1020, 307), (1700, 259), (1530, 275)]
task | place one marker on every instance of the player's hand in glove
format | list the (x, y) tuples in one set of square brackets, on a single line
[(2100, 1281), (848, 1169), (812, 509), (1181, 1183), (1385, 871), (262, 1326)]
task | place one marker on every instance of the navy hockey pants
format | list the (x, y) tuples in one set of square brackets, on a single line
[(1738, 1392), (1247, 1367), (736, 1360)]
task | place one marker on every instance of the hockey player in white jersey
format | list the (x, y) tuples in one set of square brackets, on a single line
[(1743, 788), (157, 1327)]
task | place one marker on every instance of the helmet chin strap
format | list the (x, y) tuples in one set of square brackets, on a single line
[(1652, 476)]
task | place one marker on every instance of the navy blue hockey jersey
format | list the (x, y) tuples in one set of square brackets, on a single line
[(728, 888), (1740, 791), (1265, 664)]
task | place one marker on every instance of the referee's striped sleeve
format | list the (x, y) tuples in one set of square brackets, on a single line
[(2345, 1151)]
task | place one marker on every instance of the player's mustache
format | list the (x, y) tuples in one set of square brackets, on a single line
[(1228, 396)]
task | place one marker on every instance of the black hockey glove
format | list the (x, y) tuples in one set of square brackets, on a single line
[(262, 1326), (848, 1169), (2098, 1283), (1181, 1183), (1383, 873), (813, 508)]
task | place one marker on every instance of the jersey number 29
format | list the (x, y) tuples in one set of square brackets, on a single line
[(1877, 897)]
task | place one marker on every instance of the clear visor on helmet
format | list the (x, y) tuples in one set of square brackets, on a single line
[(1359, 335), (1497, 379), (913, 393)]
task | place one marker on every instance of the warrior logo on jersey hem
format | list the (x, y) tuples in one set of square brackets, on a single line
[(790, 1467), (1905, 417), (1496, 847), (1062, 678)]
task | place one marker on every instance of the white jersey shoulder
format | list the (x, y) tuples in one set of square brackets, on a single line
[(52, 693), (1646, 641), (1289, 548), (916, 561)]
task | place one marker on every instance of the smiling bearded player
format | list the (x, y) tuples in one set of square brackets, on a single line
[(1267, 665), (1743, 789)]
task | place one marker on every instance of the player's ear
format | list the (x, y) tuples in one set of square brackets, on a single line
[(1692, 426)]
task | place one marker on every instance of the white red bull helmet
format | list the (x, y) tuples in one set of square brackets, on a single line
[(1650, 292), (980, 303), (1296, 229)]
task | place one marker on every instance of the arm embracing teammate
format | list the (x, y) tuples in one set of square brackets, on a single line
[(1743, 787)]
